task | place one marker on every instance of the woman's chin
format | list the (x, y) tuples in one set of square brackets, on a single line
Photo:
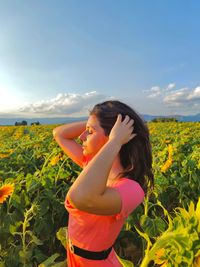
[(85, 153)]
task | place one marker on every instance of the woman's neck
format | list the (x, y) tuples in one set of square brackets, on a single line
[(115, 170)]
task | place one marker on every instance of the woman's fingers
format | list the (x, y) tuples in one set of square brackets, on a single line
[(123, 128), (128, 121), (133, 135), (119, 117)]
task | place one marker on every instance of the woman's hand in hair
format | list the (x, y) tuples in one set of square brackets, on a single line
[(122, 130)]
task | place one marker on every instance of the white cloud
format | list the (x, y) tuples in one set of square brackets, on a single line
[(183, 96), (170, 86), (178, 99), (157, 91), (195, 94), (64, 104), (154, 91)]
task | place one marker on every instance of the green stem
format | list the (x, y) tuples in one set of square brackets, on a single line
[(56, 179), (27, 218), (24, 237), (45, 163)]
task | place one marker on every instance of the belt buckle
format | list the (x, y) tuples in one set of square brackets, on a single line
[(71, 247)]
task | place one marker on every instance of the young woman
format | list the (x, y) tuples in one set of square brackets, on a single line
[(117, 169)]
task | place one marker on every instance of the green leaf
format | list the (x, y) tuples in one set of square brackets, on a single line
[(39, 255), (49, 261), (16, 202), (125, 263), (60, 264), (34, 238), (61, 235), (25, 255), (153, 227), (13, 228)]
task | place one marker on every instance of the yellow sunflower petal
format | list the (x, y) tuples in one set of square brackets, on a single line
[(5, 191)]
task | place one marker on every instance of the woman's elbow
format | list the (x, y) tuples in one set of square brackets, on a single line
[(56, 133), (78, 201)]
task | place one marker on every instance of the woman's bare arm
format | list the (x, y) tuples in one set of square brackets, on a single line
[(65, 136), (89, 192)]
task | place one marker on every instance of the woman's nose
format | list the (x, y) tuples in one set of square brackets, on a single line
[(83, 136)]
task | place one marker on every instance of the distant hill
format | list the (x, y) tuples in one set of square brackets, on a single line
[(11, 121), (192, 118)]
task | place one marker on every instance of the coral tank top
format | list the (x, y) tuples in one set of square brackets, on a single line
[(99, 232)]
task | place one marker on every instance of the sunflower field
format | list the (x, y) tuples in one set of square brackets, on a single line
[(35, 176)]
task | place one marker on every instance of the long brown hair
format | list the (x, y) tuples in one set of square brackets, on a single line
[(136, 155)]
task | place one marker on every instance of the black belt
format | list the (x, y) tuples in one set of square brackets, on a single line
[(91, 255)]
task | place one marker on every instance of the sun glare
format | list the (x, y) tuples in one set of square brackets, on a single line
[(9, 101)]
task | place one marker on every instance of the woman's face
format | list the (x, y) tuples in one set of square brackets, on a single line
[(93, 137)]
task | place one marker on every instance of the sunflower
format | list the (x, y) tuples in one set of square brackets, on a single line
[(160, 258), (55, 159), (5, 191), (196, 262)]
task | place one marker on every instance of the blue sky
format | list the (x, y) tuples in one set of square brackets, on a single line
[(59, 58)]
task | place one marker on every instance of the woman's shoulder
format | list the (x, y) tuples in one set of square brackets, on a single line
[(127, 184), (123, 180), (131, 194)]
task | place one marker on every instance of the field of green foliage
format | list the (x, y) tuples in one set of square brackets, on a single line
[(163, 231)]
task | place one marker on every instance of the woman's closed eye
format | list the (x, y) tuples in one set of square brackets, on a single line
[(89, 132)]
